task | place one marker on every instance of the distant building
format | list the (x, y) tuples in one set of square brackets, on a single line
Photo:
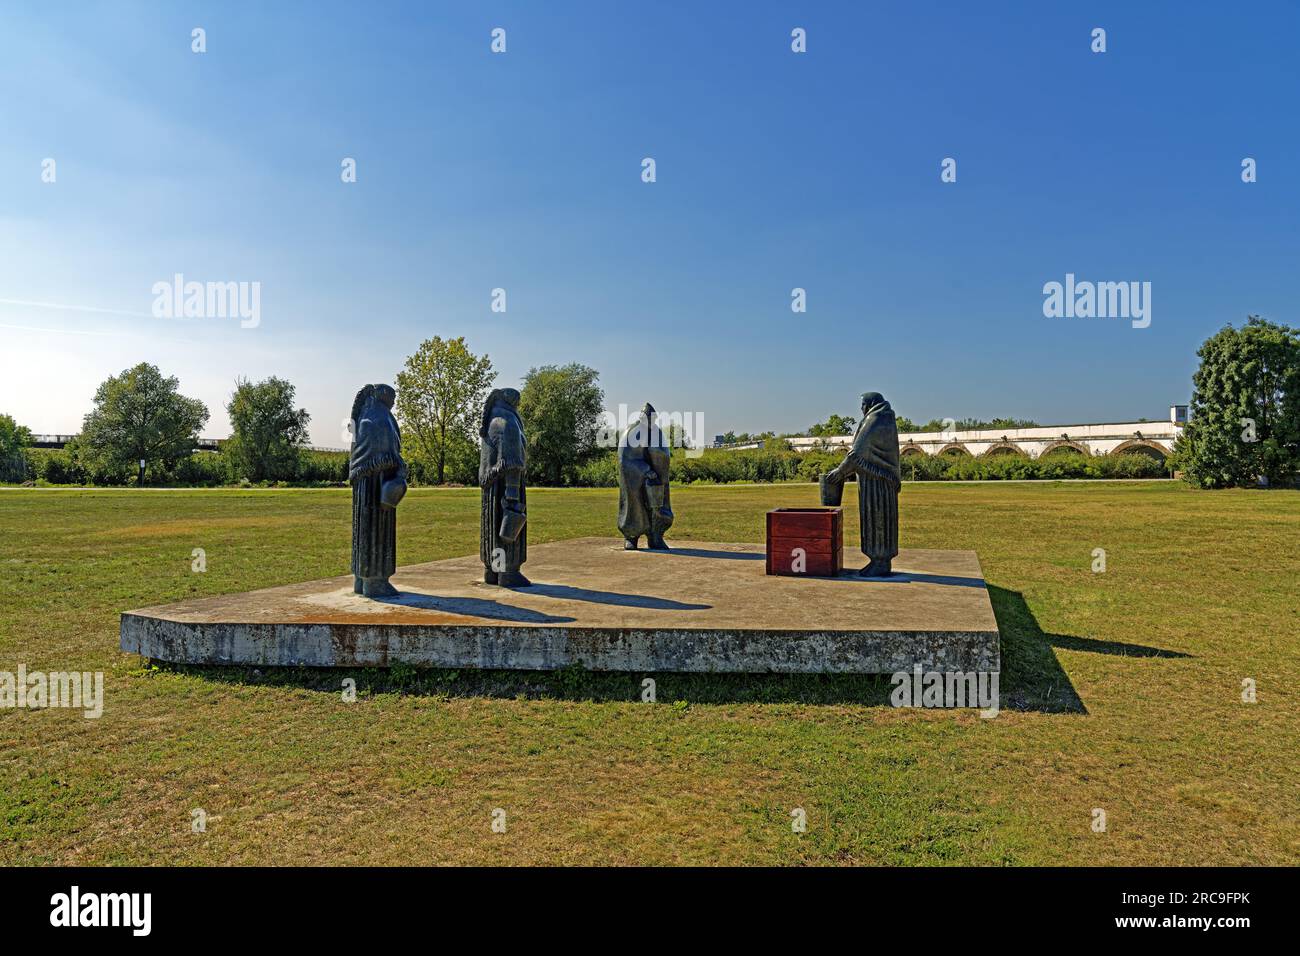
[(1154, 438)]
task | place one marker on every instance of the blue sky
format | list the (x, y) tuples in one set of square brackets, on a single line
[(522, 170)]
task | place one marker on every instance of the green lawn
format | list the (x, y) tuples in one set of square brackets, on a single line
[(1122, 691)]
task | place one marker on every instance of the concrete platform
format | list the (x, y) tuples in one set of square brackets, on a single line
[(699, 607)]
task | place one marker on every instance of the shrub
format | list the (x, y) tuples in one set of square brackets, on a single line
[(322, 467), (203, 468), (600, 472), (60, 468), (1063, 464)]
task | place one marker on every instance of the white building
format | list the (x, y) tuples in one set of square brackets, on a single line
[(1150, 438)]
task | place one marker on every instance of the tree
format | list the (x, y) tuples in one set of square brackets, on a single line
[(141, 416), (13, 439), (933, 425), (1245, 409), (834, 425), (266, 430), (440, 394), (561, 409)]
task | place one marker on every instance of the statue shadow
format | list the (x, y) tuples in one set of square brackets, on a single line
[(565, 592), (473, 607), (706, 553), (908, 577), (1032, 677)]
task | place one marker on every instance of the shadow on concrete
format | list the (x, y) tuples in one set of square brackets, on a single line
[(567, 592), (472, 607), (706, 553)]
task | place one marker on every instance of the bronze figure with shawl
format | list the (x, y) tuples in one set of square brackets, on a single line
[(378, 478), (873, 461), (644, 504), (503, 535)]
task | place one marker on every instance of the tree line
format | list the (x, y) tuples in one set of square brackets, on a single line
[(1244, 428), (142, 429)]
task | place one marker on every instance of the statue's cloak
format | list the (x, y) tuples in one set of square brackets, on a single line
[(875, 445), (874, 456), (375, 459), (642, 451), (502, 445), (376, 443)]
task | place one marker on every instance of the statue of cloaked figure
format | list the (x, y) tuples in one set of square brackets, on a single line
[(873, 460), (378, 478), (503, 539), (643, 503)]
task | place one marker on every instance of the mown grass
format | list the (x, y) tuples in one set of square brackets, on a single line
[(1122, 691)]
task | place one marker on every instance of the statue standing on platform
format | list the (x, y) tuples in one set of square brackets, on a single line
[(503, 538), (378, 478), (644, 507), (873, 460)]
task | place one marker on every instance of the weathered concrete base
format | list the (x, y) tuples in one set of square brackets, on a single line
[(698, 607)]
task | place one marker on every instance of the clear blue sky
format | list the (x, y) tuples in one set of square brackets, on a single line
[(522, 171)]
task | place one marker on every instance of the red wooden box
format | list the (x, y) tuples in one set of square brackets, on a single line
[(819, 532)]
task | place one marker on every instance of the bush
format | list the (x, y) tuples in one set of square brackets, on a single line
[(1130, 465), (1063, 464), (58, 467), (599, 472), (322, 467), (204, 468), (924, 467)]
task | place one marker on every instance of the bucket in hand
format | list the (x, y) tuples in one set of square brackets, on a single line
[(832, 490)]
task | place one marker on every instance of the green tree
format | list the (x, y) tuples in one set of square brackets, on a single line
[(1245, 410), (141, 416), (833, 426), (267, 432), (440, 393), (560, 407), (13, 439)]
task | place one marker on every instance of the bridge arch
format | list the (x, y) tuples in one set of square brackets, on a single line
[(955, 449), (1003, 447), (1142, 446), (911, 448), (1064, 444)]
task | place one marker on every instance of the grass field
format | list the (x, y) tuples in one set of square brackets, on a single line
[(1121, 691)]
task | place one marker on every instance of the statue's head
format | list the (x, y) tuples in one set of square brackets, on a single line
[(386, 395), (870, 400), (648, 412), (509, 396)]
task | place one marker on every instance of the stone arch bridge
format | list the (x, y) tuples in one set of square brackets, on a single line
[(1155, 439)]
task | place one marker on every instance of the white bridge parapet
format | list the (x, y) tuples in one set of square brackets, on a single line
[(1152, 438)]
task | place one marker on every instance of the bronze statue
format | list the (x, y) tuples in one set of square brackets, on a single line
[(873, 460), (378, 478), (644, 507), (503, 537)]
